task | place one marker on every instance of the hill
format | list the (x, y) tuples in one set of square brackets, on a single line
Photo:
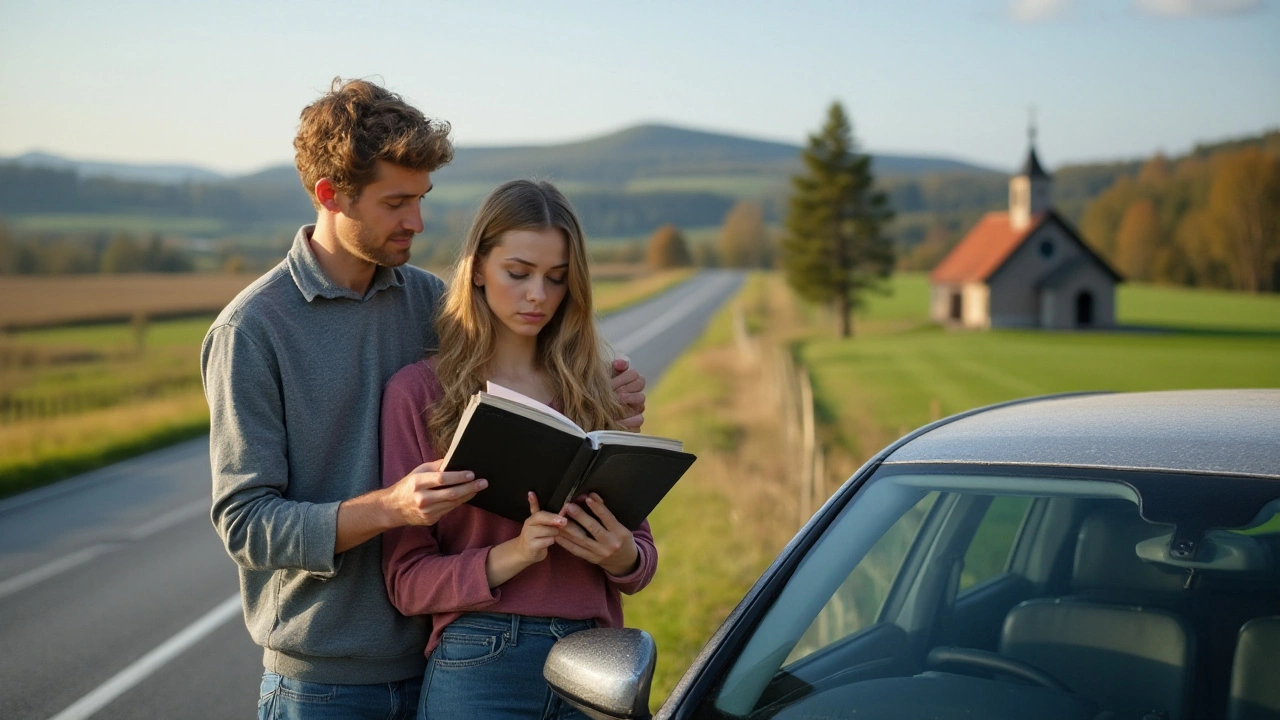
[(625, 184), (161, 173)]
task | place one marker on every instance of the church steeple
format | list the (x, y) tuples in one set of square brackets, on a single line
[(1029, 189)]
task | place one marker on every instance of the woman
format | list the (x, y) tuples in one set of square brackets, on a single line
[(500, 593)]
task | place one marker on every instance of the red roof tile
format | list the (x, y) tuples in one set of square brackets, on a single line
[(983, 250)]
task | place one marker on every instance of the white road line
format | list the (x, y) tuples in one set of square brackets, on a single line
[(80, 557), (665, 321), (169, 519), (152, 661), (48, 570)]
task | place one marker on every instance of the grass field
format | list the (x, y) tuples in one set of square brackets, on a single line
[(730, 515), (901, 372), (742, 187), (132, 224)]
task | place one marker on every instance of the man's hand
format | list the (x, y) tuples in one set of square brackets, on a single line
[(420, 498), (600, 540), (629, 385), (424, 496)]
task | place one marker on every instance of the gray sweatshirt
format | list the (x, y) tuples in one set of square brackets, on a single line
[(293, 371)]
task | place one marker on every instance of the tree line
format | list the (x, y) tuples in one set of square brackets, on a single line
[(97, 252), (1208, 219)]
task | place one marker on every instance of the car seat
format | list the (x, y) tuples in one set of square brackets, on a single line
[(1255, 672), (1115, 639)]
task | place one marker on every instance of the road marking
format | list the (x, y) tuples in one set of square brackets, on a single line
[(48, 570), (665, 321), (80, 557), (152, 661), (169, 519)]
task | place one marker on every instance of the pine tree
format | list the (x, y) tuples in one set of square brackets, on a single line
[(835, 249)]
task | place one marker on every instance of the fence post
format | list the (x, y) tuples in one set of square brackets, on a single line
[(809, 441)]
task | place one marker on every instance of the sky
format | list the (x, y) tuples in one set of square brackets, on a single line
[(220, 84)]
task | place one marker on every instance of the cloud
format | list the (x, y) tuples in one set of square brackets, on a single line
[(1036, 10), (1184, 8)]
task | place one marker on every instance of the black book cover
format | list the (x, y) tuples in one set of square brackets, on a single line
[(632, 480), (517, 454)]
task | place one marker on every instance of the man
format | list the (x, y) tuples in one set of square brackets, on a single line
[(293, 371)]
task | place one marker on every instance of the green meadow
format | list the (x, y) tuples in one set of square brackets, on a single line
[(901, 371), (112, 223)]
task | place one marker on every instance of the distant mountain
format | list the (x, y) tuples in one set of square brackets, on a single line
[(641, 152), (119, 171)]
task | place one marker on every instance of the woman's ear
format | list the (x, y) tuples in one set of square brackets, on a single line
[(477, 279)]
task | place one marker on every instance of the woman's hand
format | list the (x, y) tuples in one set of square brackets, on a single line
[(600, 540), (509, 559)]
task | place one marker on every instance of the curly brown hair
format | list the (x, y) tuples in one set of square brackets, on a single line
[(346, 132)]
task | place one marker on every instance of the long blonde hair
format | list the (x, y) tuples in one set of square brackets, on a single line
[(568, 347)]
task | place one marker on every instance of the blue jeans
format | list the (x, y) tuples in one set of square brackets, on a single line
[(489, 665), (284, 698)]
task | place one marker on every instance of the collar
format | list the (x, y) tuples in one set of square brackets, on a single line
[(312, 281)]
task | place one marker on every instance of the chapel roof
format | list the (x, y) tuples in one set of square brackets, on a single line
[(983, 250)]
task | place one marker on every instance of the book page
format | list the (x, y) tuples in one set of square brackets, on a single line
[(623, 437), (506, 393)]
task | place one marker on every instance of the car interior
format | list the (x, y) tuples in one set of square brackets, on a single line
[(1088, 610)]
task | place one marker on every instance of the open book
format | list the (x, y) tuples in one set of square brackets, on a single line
[(519, 444)]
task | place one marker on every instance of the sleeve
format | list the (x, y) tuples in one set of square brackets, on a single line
[(637, 579), (420, 579), (248, 451)]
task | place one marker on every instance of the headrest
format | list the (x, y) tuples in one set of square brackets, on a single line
[(1107, 558)]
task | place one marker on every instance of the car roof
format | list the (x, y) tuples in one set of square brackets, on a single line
[(1195, 431)]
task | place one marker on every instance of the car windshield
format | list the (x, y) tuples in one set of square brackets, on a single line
[(942, 594)]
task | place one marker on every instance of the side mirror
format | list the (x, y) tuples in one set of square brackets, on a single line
[(605, 672)]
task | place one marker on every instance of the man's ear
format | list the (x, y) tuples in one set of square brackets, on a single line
[(327, 195)]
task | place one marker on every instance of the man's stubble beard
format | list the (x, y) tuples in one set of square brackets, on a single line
[(374, 250)]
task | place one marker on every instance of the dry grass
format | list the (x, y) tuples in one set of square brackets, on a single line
[(612, 293), (736, 508), (41, 450), (42, 301)]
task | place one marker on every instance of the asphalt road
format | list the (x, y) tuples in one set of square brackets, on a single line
[(117, 599)]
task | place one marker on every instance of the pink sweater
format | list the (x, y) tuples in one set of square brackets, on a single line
[(439, 570)]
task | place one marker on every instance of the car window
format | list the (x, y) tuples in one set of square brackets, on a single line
[(988, 553), (851, 612), (857, 602)]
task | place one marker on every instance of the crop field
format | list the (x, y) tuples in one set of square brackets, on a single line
[(73, 397), (32, 301)]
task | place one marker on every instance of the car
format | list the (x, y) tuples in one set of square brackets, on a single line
[(1092, 555)]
